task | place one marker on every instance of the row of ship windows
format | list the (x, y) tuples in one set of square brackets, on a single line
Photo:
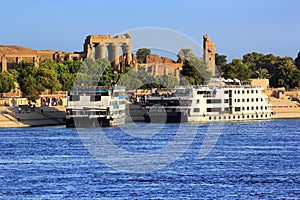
[(240, 117), (252, 108), (237, 109), (209, 101), (245, 91), (248, 100)]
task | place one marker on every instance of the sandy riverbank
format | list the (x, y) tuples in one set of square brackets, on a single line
[(31, 117)]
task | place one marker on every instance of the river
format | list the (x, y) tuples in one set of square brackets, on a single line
[(242, 160)]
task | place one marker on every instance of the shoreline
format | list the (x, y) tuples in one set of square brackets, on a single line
[(3, 125)]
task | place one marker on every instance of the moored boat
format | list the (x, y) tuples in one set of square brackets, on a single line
[(95, 107)]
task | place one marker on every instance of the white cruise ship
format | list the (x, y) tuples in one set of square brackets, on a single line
[(95, 107), (229, 102)]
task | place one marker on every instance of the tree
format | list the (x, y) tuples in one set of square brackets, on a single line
[(6, 82), (47, 78), (237, 69), (186, 54), (96, 72), (297, 61), (166, 81), (220, 62), (194, 69), (141, 54), (29, 86), (73, 65), (66, 80), (262, 73), (130, 80), (289, 76)]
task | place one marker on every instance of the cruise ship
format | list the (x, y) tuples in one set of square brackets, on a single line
[(166, 108), (95, 107), (229, 103), (226, 101)]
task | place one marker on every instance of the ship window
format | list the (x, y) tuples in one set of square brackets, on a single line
[(237, 109), (256, 91), (243, 100), (234, 100), (226, 100), (228, 117), (256, 107), (256, 99), (214, 109), (247, 91), (247, 100), (214, 101), (266, 115), (95, 98), (238, 100), (248, 116), (226, 92), (243, 108), (252, 108), (203, 92), (238, 92), (209, 118), (238, 117), (252, 100), (243, 92), (261, 99), (224, 117), (74, 98), (252, 116), (196, 109), (215, 118), (247, 108), (252, 91), (198, 100), (261, 107), (233, 117), (266, 107)]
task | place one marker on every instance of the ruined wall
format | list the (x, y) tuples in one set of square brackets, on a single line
[(209, 54)]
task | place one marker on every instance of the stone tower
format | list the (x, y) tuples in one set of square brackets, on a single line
[(209, 54)]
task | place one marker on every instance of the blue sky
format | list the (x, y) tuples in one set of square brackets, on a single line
[(236, 26)]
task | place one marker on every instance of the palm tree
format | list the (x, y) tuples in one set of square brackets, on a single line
[(262, 73)]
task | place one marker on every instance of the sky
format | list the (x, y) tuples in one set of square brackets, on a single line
[(236, 27)]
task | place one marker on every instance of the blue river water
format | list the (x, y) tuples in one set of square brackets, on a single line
[(247, 160)]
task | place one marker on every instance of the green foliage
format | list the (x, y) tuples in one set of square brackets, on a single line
[(289, 76), (262, 73), (220, 61), (6, 82), (194, 69), (237, 69), (271, 66), (166, 81), (297, 61), (47, 79), (96, 72), (130, 80), (141, 54), (186, 53), (29, 86)]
